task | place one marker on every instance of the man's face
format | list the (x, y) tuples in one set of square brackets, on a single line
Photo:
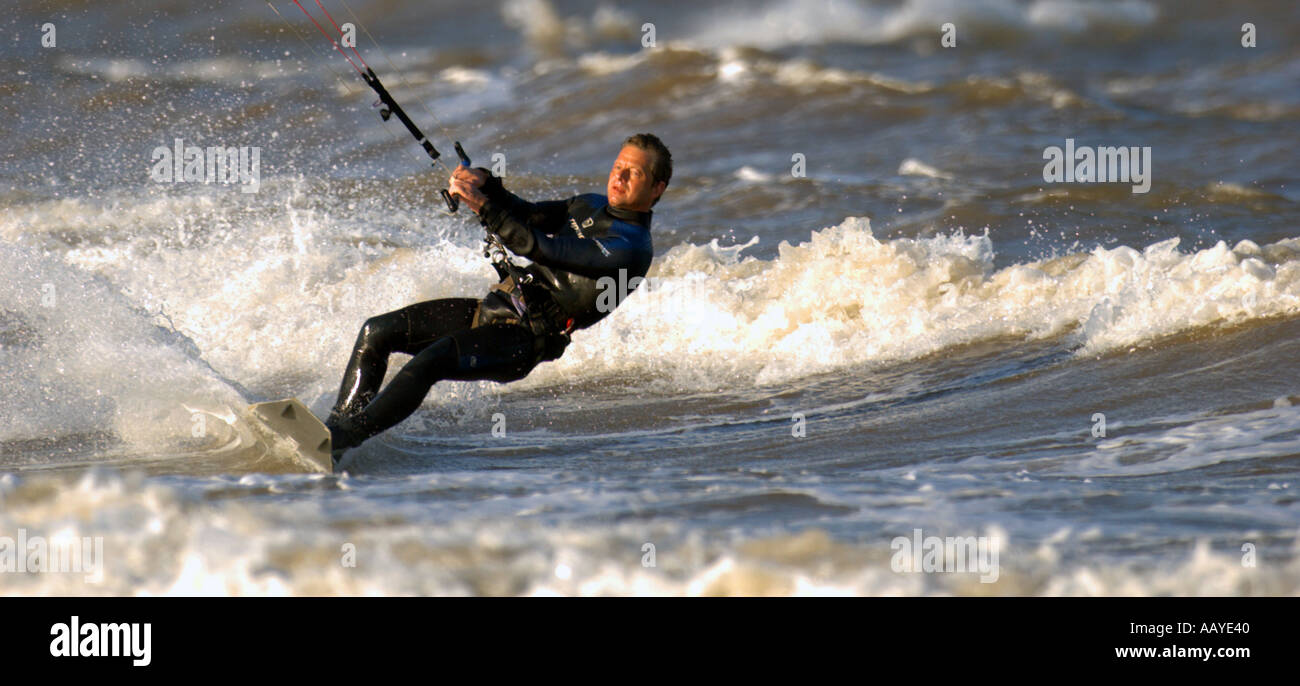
[(631, 185)]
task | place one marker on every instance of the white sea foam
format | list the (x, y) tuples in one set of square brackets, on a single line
[(1192, 443), (915, 167), (163, 540), (547, 30), (784, 22), (844, 297), (82, 358)]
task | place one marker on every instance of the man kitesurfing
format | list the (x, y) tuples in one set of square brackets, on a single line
[(578, 248), (527, 317)]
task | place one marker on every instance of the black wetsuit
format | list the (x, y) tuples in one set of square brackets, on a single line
[(578, 248)]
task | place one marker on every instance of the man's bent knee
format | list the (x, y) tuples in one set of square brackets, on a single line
[(380, 332)]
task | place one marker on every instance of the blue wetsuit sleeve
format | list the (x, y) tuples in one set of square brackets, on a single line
[(548, 216), (590, 257)]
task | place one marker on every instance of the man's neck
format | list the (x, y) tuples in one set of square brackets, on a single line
[(641, 217)]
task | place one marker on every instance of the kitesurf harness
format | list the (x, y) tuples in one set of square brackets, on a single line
[(541, 317)]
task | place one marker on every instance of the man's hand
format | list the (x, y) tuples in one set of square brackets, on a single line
[(475, 177), (465, 182)]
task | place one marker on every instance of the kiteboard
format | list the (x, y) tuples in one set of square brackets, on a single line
[(290, 424)]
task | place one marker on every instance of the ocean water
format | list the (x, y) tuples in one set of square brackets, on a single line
[(869, 313)]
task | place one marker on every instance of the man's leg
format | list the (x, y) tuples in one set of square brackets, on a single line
[(408, 330), (498, 352)]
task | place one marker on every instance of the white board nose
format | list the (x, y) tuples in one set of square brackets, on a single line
[(291, 421)]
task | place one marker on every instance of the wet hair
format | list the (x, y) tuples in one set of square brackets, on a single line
[(663, 166)]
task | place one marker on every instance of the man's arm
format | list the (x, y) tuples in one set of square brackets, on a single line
[(547, 216), (590, 257), (520, 224), (478, 186)]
